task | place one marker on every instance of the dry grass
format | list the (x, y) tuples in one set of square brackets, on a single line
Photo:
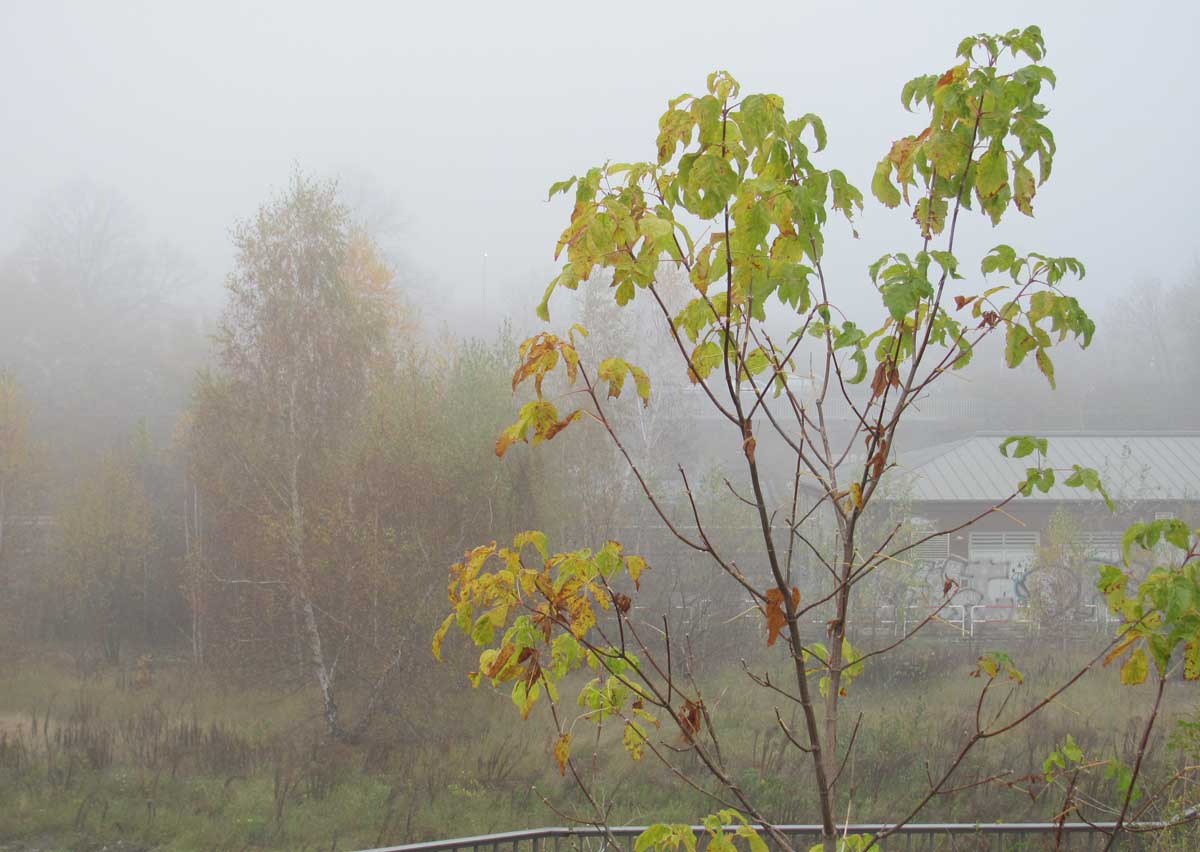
[(187, 762)]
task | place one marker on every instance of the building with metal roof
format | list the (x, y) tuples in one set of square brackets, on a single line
[(996, 540), (1134, 466)]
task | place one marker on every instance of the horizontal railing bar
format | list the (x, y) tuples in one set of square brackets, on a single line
[(915, 828)]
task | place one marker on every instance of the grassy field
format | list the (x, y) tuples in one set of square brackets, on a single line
[(182, 761)]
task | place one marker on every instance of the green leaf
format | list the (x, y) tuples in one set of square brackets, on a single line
[(882, 186), (484, 630), (1018, 343), (560, 186), (991, 173), (1127, 541), (651, 837), (705, 358), (1025, 445), (1176, 532), (674, 126), (1122, 775), (818, 128), (711, 182), (901, 299), (654, 228), (999, 259), (846, 197), (1089, 478), (1054, 760), (859, 357), (947, 152), (756, 361), (948, 263)]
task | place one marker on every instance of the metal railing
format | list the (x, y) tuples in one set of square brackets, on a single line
[(914, 836)]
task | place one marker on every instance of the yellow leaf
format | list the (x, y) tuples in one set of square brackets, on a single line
[(583, 617), (634, 740), (642, 381), (441, 634), (1191, 660), (1121, 647), (856, 495), (562, 752), (635, 565), (1136, 668), (535, 537)]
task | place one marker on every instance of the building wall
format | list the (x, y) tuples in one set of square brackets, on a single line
[(1034, 516), (992, 556)]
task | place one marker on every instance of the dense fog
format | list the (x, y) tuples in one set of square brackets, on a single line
[(266, 273)]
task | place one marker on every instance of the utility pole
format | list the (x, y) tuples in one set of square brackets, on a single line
[(483, 285)]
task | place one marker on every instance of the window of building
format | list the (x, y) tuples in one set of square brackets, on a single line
[(934, 550), (1015, 548), (1103, 544)]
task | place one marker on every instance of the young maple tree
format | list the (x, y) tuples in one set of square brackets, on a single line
[(736, 200)]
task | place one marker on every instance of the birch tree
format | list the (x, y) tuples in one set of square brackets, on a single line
[(307, 327)]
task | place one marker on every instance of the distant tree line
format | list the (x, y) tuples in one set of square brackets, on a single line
[(278, 489)]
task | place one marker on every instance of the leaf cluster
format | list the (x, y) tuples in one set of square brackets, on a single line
[(1163, 613), (535, 624)]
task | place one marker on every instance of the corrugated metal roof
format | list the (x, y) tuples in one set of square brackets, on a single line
[(1132, 466)]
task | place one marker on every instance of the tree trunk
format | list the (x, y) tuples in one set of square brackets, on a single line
[(312, 635), (3, 520), (309, 628)]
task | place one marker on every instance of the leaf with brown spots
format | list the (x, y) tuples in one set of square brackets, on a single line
[(501, 661)]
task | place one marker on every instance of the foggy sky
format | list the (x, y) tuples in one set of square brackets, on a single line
[(465, 113)]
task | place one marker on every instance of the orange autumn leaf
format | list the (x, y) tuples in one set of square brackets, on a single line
[(776, 617), (689, 717)]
